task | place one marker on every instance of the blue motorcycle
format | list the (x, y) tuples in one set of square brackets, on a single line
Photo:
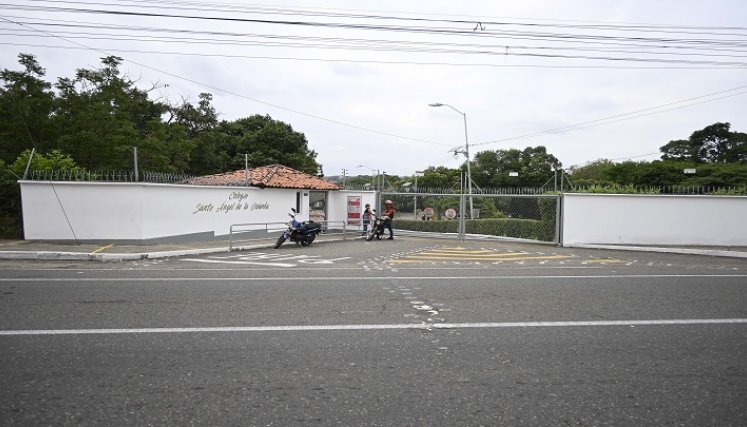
[(303, 233)]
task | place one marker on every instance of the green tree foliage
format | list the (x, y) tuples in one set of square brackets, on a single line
[(96, 118), (661, 173), (26, 107), (713, 144), (100, 115), (439, 177), (534, 165), (10, 209)]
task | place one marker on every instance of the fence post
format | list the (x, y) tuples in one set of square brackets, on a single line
[(134, 154), (558, 221)]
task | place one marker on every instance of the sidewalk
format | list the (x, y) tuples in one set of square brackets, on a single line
[(28, 250), (718, 251)]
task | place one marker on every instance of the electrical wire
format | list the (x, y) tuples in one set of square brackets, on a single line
[(625, 116), (229, 92), (363, 61)]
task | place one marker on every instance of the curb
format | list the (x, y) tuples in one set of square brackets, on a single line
[(703, 252), (109, 257)]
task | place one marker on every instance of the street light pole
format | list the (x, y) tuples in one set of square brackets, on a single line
[(466, 153)]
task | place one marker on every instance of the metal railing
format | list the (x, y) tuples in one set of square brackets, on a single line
[(261, 230)]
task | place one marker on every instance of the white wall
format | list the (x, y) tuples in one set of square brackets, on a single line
[(142, 211), (338, 201), (654, 220)]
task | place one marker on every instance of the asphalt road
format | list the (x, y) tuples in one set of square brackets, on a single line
[(404, 332)]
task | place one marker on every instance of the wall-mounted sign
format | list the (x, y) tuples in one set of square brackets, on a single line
[(237, 201), (354, 210)]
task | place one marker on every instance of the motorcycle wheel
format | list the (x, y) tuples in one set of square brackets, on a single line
[(369, 236), (280, 241), (306, 241)]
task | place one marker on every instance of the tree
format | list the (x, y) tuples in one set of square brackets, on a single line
[(595, 172), (712, 144), (101, 115), (269, 141), (26, 105), (439, 177), (534, 165), (10, 209)]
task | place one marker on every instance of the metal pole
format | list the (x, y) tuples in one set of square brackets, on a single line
[(469, 170), (28, 165), (562, 178), (134, 154), (555, 181), (558, 213), (461, 207)]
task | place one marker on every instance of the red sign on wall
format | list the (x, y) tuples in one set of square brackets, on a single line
[(354, 210)]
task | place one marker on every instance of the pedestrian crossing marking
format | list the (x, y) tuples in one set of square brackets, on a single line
[(473, 255)]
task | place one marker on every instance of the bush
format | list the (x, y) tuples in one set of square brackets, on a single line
[(505, 227)]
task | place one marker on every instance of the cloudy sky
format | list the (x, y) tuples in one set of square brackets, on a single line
[(587, 79)]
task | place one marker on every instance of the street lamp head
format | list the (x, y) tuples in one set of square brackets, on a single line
[(436, 104)]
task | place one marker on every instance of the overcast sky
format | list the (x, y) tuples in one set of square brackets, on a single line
[(359, 86)]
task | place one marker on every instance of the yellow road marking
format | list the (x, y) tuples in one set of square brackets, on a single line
[(103, 248), (412, 259), (467, 256), (461, 251)]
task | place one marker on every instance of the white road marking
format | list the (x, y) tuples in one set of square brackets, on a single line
[(215, 261), (429, 326), (365, 278)]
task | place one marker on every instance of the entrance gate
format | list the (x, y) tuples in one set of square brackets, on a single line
[(530, 217)]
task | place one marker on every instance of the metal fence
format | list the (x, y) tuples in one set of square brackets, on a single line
[(533, 217), (176, 178), (664, 189)]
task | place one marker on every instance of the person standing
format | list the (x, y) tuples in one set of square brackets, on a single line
[(366, 217), (389, 217)]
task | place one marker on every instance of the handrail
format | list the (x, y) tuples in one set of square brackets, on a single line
[(258, 227)]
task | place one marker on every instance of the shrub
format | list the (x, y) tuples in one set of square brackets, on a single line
[(505, 227)]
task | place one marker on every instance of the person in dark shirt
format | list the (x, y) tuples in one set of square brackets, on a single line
[(389, 217)]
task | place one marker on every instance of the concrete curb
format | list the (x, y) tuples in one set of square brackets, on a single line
[(704, 252), (43, 255), (135, 256)]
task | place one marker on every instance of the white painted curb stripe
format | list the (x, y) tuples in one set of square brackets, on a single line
[(424, 326)]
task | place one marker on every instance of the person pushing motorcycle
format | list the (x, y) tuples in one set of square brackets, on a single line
[(389, 217)]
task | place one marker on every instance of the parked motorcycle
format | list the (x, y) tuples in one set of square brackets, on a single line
[(303, 233), (377, 227)]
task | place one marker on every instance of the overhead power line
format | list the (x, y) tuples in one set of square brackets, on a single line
[(280, 107), (382, 62), (630, 115)]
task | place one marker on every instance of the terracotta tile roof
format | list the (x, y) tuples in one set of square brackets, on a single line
[(272, 176)]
